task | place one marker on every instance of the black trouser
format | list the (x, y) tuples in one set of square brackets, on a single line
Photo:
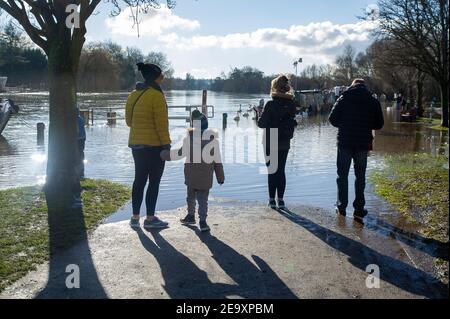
[(344, 160), (148, 165), (277, 181)]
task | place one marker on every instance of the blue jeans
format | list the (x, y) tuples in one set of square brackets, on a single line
[(344, 161)]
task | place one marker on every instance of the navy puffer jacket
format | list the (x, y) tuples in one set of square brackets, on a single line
[(356, 113)]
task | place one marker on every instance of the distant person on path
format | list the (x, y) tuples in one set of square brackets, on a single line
[(81, 142), (356, 113), (198, 170), (147, 116), (279, 113)]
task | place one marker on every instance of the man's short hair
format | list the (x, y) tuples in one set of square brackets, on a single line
[(358, 81)]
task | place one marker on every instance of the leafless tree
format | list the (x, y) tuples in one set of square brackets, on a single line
[(53, 26), (345, 66), (420, 28)]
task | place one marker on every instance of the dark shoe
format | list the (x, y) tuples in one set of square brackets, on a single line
[(204, 226), (134, 222), (281, 204), (341, 212), (272, 204), (188, 220), (360, 214), (155, 223)]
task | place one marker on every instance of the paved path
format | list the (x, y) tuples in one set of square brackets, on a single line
[(251, 252)]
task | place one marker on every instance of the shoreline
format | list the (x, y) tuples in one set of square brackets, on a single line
[(307, 253), (417, 187)]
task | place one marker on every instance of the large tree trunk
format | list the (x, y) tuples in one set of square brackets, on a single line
[(63, 183)]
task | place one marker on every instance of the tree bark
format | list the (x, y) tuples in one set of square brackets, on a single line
[(63, 182)]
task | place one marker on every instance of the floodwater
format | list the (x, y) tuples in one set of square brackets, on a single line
[(311, 164), (311, 170)]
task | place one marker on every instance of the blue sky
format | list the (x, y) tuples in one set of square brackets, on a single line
[(205, 37)]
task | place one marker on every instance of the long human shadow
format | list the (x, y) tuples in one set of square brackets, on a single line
[(393, 271), (182, 278), (258, 282), (432, 247), (69, 247)]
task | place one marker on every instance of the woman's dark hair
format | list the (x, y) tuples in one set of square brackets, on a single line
[(150, 72)]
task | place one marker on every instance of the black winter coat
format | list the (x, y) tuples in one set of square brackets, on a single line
[(356, 113), (278, 113)]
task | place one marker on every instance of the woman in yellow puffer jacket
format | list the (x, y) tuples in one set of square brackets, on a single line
[(147, 116)]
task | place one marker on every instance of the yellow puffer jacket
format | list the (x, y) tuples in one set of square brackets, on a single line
[(148, 120)]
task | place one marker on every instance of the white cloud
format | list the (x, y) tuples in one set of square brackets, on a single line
[(153, 23), (200, 73), (322, 39)]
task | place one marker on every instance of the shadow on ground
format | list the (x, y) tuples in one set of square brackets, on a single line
[(183, 279), (68, 245), (432, 247), (393, 271)]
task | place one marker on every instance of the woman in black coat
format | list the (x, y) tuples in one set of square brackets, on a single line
[(278, 119)]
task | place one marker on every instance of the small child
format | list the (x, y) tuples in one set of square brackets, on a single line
[(199, 168)]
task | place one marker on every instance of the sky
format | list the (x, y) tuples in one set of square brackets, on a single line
[(207, 37)]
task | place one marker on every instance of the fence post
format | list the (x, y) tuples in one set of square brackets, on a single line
[(85, 115), (204, 103), (224, 120), (40, 133), (111, 117)]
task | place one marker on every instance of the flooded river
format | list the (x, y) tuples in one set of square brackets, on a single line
[(311, 165)]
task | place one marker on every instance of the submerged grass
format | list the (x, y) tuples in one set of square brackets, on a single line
[(433, 124), (24, 241), (417, 186)]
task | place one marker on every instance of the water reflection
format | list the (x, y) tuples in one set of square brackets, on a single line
[(6, 149), (311, 164)]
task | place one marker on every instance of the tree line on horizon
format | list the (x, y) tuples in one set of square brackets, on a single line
[(412, 38), (107, 66)]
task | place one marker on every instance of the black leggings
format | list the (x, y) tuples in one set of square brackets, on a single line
[(277, 181), (148, 165)]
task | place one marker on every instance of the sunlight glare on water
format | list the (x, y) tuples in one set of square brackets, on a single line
[(311, 168)]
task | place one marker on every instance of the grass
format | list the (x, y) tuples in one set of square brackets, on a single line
[(427, 120), (439, 128), (417, 186), (24, 242), (434, 124)]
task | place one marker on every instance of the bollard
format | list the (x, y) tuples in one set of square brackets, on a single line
[(40, 133), (92, 116), (85, 115), (111, 117), (224, 120), (204, 103)]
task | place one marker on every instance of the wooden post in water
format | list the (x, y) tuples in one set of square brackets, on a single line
[(85, 115), (40, 133), (111, 117), (204, 103), (224, 120)]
